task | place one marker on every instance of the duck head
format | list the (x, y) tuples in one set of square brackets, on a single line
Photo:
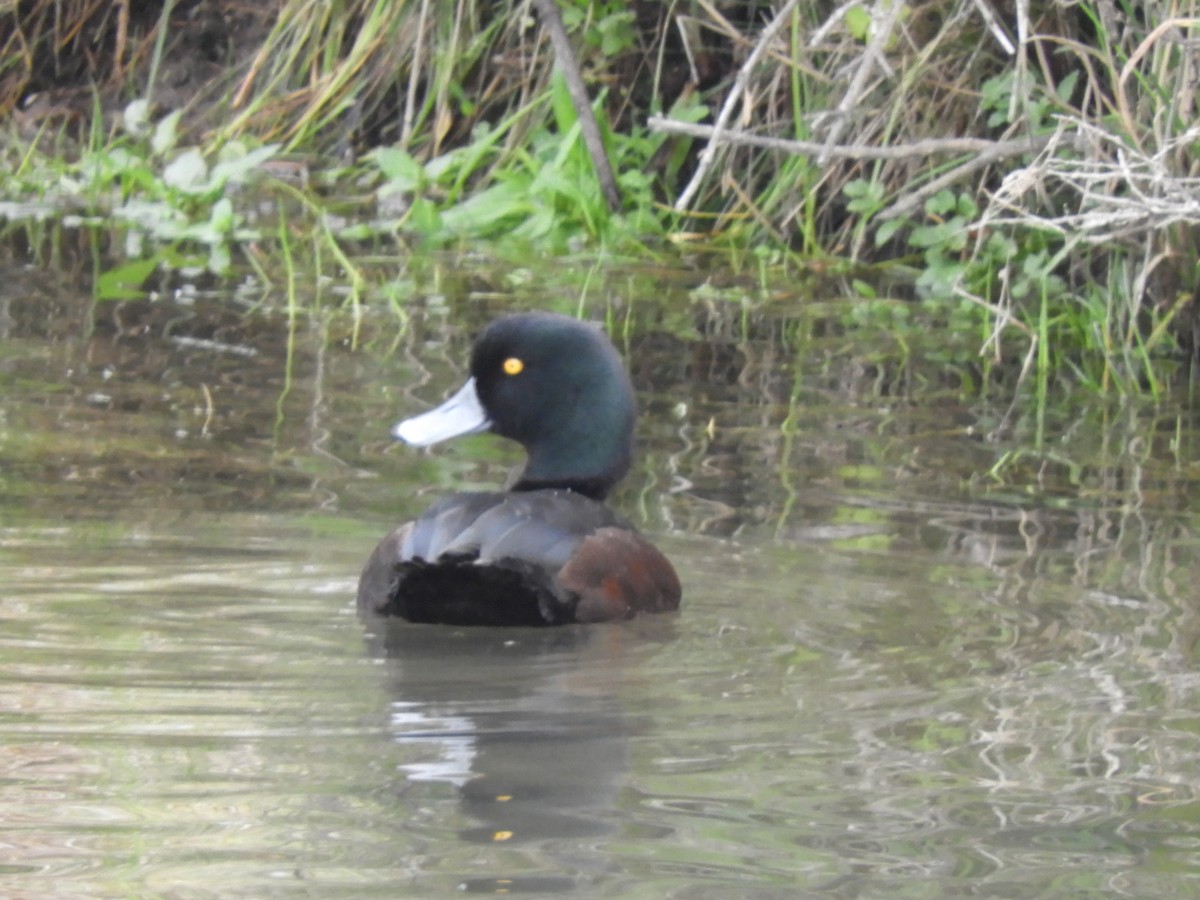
[(555, 385)]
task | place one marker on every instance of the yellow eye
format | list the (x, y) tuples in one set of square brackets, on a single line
[(513, 366)]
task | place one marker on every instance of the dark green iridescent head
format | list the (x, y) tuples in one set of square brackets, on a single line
[(559, 388), (555, 385)]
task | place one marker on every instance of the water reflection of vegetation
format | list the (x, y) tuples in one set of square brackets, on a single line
[(761, 418)]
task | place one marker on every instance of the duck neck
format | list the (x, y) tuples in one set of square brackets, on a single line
[(589, 464), (595, 488)]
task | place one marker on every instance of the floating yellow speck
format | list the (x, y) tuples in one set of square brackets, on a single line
[(502, 835)]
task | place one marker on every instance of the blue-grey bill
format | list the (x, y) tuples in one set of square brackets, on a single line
[(461, 414)]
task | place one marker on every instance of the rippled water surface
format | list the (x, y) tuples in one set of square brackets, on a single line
[(895, 674)]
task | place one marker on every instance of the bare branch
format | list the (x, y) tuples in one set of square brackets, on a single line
[(994, 149), (994, 26), (552, 21)]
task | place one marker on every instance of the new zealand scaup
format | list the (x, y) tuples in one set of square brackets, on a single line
[(547, 551)]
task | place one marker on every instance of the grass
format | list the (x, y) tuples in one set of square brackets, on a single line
[(1038, 192)]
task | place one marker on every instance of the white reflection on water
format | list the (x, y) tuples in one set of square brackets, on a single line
[(449, 740)]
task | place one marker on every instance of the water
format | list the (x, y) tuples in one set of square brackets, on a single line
[(894, 674)]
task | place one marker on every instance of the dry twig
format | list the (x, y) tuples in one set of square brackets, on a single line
[(872, 58), (708, 154), (995, 149), (1120, 191)]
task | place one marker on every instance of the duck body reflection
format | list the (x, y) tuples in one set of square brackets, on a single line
[(527, 727)]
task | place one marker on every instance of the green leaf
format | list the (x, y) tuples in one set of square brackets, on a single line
[(940, 203), (219, 259), (222, 219), (402, 171), (135, 118), (884, 232), (858, 22), (188, 172), (236, 166), (125, 282), (166, 133), (688, 108), (560, 101), (443, 169), (616, 32), (478, 214), (423, 217), (863, 289), (1066, 87), (866, 197), (930, 235)]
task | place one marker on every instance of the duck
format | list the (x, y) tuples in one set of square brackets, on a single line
[(547, 550)]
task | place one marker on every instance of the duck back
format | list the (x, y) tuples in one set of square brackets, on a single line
[(543, 557)]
